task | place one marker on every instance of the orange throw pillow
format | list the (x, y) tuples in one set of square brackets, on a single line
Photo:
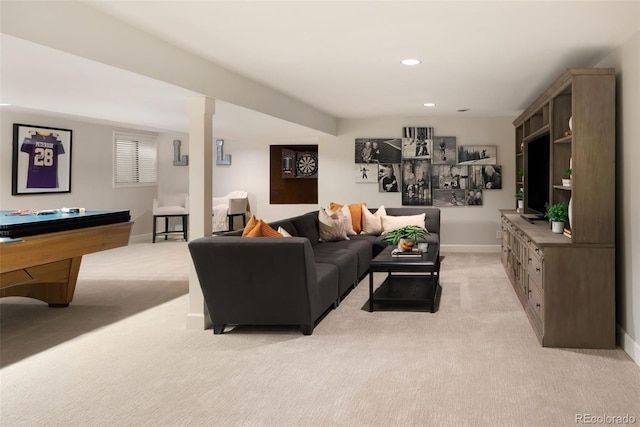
[(262, 229), (250, 226), (356, 214)]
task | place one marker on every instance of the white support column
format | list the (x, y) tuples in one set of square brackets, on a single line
[(201, 111)]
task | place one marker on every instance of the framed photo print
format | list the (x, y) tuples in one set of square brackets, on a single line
[(389, 178), (417, 142), (366, 172), (377, 150), (449, 197), (41, 160), (416, 182), (477, 154), (444, 150)]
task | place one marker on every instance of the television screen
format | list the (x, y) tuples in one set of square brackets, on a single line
[(537, 183)]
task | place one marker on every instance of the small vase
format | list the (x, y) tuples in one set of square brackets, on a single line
[(520, 205), (406, 245), (557, 227), (569, 211)]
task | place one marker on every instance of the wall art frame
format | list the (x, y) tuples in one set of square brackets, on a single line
[(42, 160), (477, 154)]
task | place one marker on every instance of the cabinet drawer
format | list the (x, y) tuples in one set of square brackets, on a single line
[(535, 300), (534, 267), (535, 250)]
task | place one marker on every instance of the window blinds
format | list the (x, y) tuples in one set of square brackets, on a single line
[(135, 161)]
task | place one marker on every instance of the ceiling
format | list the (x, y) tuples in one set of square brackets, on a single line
[(342, 58)]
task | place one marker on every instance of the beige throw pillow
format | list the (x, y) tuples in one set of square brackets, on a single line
[(284, 232), (332, 225), (372, 222), (390, 223), (347, 213)]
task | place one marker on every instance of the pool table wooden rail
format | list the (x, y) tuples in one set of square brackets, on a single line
[(46, 266)]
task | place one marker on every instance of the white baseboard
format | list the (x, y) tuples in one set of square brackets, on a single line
[(629, 346), (141, 238), (485, 249)]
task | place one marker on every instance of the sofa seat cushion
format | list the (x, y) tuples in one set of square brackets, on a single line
[(327, 275), (346, 261), (372, 240), (361, 247)]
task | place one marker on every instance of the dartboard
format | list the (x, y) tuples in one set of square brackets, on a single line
[(307, 164)]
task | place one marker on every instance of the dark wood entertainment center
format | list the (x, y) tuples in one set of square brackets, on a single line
[(566, 284)]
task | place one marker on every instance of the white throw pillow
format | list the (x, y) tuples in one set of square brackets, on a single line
[(332, 225), (372, 222), (347, 213), (284, 232), (390, 223)]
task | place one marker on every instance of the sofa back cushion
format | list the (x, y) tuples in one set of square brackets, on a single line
[(286, 224), (307, 226)]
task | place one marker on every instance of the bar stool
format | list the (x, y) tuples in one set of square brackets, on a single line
[(171, 206)]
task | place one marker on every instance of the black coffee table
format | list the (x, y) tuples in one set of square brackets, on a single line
[(418, 283)]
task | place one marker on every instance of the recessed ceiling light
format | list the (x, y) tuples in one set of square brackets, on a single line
[(429, 104), (4, 105), (410, 62), (463, 110)]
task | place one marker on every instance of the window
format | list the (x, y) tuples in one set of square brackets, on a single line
[(135, 160)]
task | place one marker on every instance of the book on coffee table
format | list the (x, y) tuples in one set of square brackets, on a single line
[(401, 254)]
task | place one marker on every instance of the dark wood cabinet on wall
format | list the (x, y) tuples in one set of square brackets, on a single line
[(293, 174), (566, 283)]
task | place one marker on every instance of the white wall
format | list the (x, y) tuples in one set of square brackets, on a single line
[(91, 171), (463, 228), (626, 60)]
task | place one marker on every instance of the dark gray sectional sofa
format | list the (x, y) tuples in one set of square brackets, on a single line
[(286, 281)]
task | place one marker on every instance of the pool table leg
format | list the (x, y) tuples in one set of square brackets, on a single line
[(53, 283)]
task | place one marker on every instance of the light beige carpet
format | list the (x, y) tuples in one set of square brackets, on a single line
[(120, 355)]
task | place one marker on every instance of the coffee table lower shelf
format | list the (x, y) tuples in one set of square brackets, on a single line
[(407, 290)]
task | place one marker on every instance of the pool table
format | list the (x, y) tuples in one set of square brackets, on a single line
[(40, 253)]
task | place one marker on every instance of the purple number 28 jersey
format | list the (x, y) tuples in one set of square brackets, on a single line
[(43, 150)]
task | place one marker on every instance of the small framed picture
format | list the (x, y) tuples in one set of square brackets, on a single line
[(477, 154), (366, 172), (41, 160), (417, 142), (444, 150), (389, 178)]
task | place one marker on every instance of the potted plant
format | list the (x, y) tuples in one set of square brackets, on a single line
[(405, 237), (566, 182), (520, 199), (558, 214)]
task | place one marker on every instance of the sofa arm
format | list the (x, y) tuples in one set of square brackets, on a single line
[(266, 280)]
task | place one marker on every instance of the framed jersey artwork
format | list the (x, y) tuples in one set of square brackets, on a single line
[(41, 160)]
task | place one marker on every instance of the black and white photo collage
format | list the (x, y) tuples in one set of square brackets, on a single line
[(428, 170)]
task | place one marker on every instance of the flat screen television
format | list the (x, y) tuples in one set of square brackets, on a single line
[(537, 182)]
